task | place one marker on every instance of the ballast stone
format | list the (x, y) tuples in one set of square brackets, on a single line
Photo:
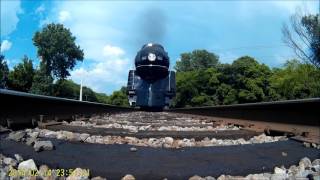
[(128, 177), (17, 136), (43, 146), (27, 165)]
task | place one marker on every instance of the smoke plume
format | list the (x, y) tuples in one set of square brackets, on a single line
[(152, 26)]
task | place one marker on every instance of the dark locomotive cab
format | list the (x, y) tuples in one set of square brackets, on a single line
[(151, 85)]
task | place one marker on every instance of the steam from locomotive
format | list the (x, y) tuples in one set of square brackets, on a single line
[(151, 84)]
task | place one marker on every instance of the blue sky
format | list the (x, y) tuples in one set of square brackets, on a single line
[(111, 32)]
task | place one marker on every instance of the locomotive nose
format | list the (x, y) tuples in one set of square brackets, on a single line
[(152, 62)]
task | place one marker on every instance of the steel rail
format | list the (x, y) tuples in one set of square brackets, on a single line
[(304, 111), (25, 106), (303, 116), (299, 118)]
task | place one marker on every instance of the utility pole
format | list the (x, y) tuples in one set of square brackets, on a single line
[(80, 96)]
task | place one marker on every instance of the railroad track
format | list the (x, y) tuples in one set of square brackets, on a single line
[(227, 142), (19, 107)]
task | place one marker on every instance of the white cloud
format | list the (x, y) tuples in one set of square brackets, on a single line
[(64, 16), (92, 24), (40, 9), (291, 6), (97, 30), (5, 45), (249, 10), (107, 72), (105, 67), (40, 12), (111, 51), (9, 16)]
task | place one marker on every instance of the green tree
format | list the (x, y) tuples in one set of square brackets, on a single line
[(57, 49), (250, 79), (207, 80), (71, 90), (66, 89), (243, 81), (4, 72), (312, 25), (20, 79), (119, 98), (303, 36), (89, 94), (226, 94), (102, 98), (186, 88), (296, 80), (197, 59), (42, 83), (202, 100), (197, 79)]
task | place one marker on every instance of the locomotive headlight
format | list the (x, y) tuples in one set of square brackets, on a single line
[(151, 57)]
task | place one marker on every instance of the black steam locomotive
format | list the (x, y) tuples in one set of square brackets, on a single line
[(151, 85)]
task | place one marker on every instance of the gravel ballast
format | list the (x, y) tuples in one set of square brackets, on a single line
[(116, 161)]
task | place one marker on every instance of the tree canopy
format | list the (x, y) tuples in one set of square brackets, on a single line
[(42, 82), (197, 59), (250, 79), (20, 79), (296, 80), (312, 26), (119, 97), (245, 81), (71, 90), (303, 36), (4, 72), (57, 50)]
